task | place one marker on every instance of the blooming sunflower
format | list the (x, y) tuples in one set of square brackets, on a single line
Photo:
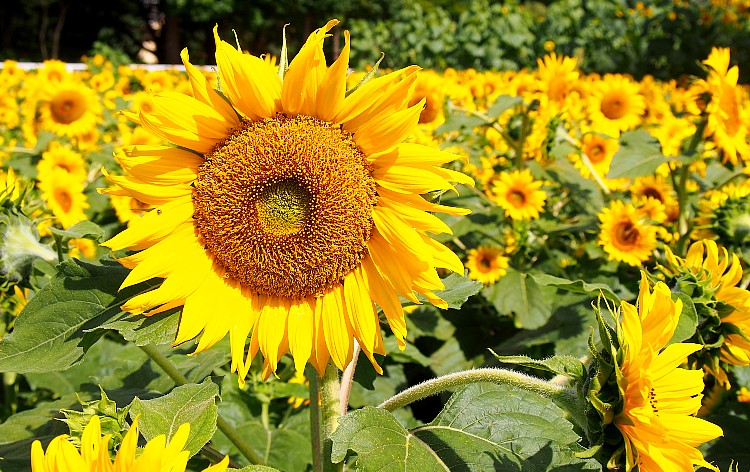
[(63, 193), (69, 108), (616, 105), (157, 455), (519, 195), (486, 264), (60, 157), (287, 210), (624, 235), (557, 76), (659, 398)]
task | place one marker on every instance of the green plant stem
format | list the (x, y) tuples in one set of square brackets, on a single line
[(331, 412), (682, 221), (562, 396), (232, 434), (317, 450)]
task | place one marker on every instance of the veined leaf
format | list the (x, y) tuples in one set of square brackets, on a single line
[(191, 403), (639, 154), (61, 322), (482, 427), (519, 294)]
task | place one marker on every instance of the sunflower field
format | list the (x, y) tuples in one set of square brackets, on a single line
[(292, 261)]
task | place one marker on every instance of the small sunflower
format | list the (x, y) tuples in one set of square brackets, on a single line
[(69, 108), (63, 158), (659, 397), (616, 105), (624, 235), (518, 194), (599, 150), (62, 456), (63, 193), (287, 209), (557, 76), (487, 264)]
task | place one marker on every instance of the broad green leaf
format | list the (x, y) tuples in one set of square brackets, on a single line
[(577, 286), (458, 289), (519, 294), (84, 229), (109, 364), (427, 321), (688, 322), (409, 354), (561, 365), (285, 449), (639, 154), (502, 104), (459, 120), (142, 330), (191, 403), (482, 427), (60, 323)]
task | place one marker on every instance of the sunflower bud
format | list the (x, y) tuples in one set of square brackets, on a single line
[(19, 247)]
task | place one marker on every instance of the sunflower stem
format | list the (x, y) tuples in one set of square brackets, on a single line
[(562, 396), (221, 423), (317, 451), (347, 379), (331, 411)]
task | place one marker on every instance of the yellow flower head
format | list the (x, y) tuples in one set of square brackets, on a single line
[(286, 209), (660, 398), (624, 234), (157, 456), (69, 108), (557, 76), (63, 193), (487, 264), (518, 194), (62, 158), (616, 105)]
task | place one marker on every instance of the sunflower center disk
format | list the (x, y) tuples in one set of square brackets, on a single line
[(283, 208), (284, 205)]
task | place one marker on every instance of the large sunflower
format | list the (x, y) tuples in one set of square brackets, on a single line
[(287, 209), (660, 399)]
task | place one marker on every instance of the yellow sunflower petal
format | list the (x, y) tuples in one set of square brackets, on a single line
[(251, 86), (300, 328), (332, 89), (206, 94), (336, 328), (305, 74), (154, 225), (361, 312), (384, 134)]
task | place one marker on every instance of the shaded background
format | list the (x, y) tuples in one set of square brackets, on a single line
[(664, 38)]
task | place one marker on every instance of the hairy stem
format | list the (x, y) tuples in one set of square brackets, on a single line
[(317, 451), (563, 397), (221, 423), (331, 412), (347, 379)]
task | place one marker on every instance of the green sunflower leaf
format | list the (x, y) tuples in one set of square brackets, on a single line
[(576, 286), (688, 322), (502, 104), (482, 427), (63, 320), (561, 365), (84, 229), (639, 154), (521, 295), (458, 289), (191, 403)]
